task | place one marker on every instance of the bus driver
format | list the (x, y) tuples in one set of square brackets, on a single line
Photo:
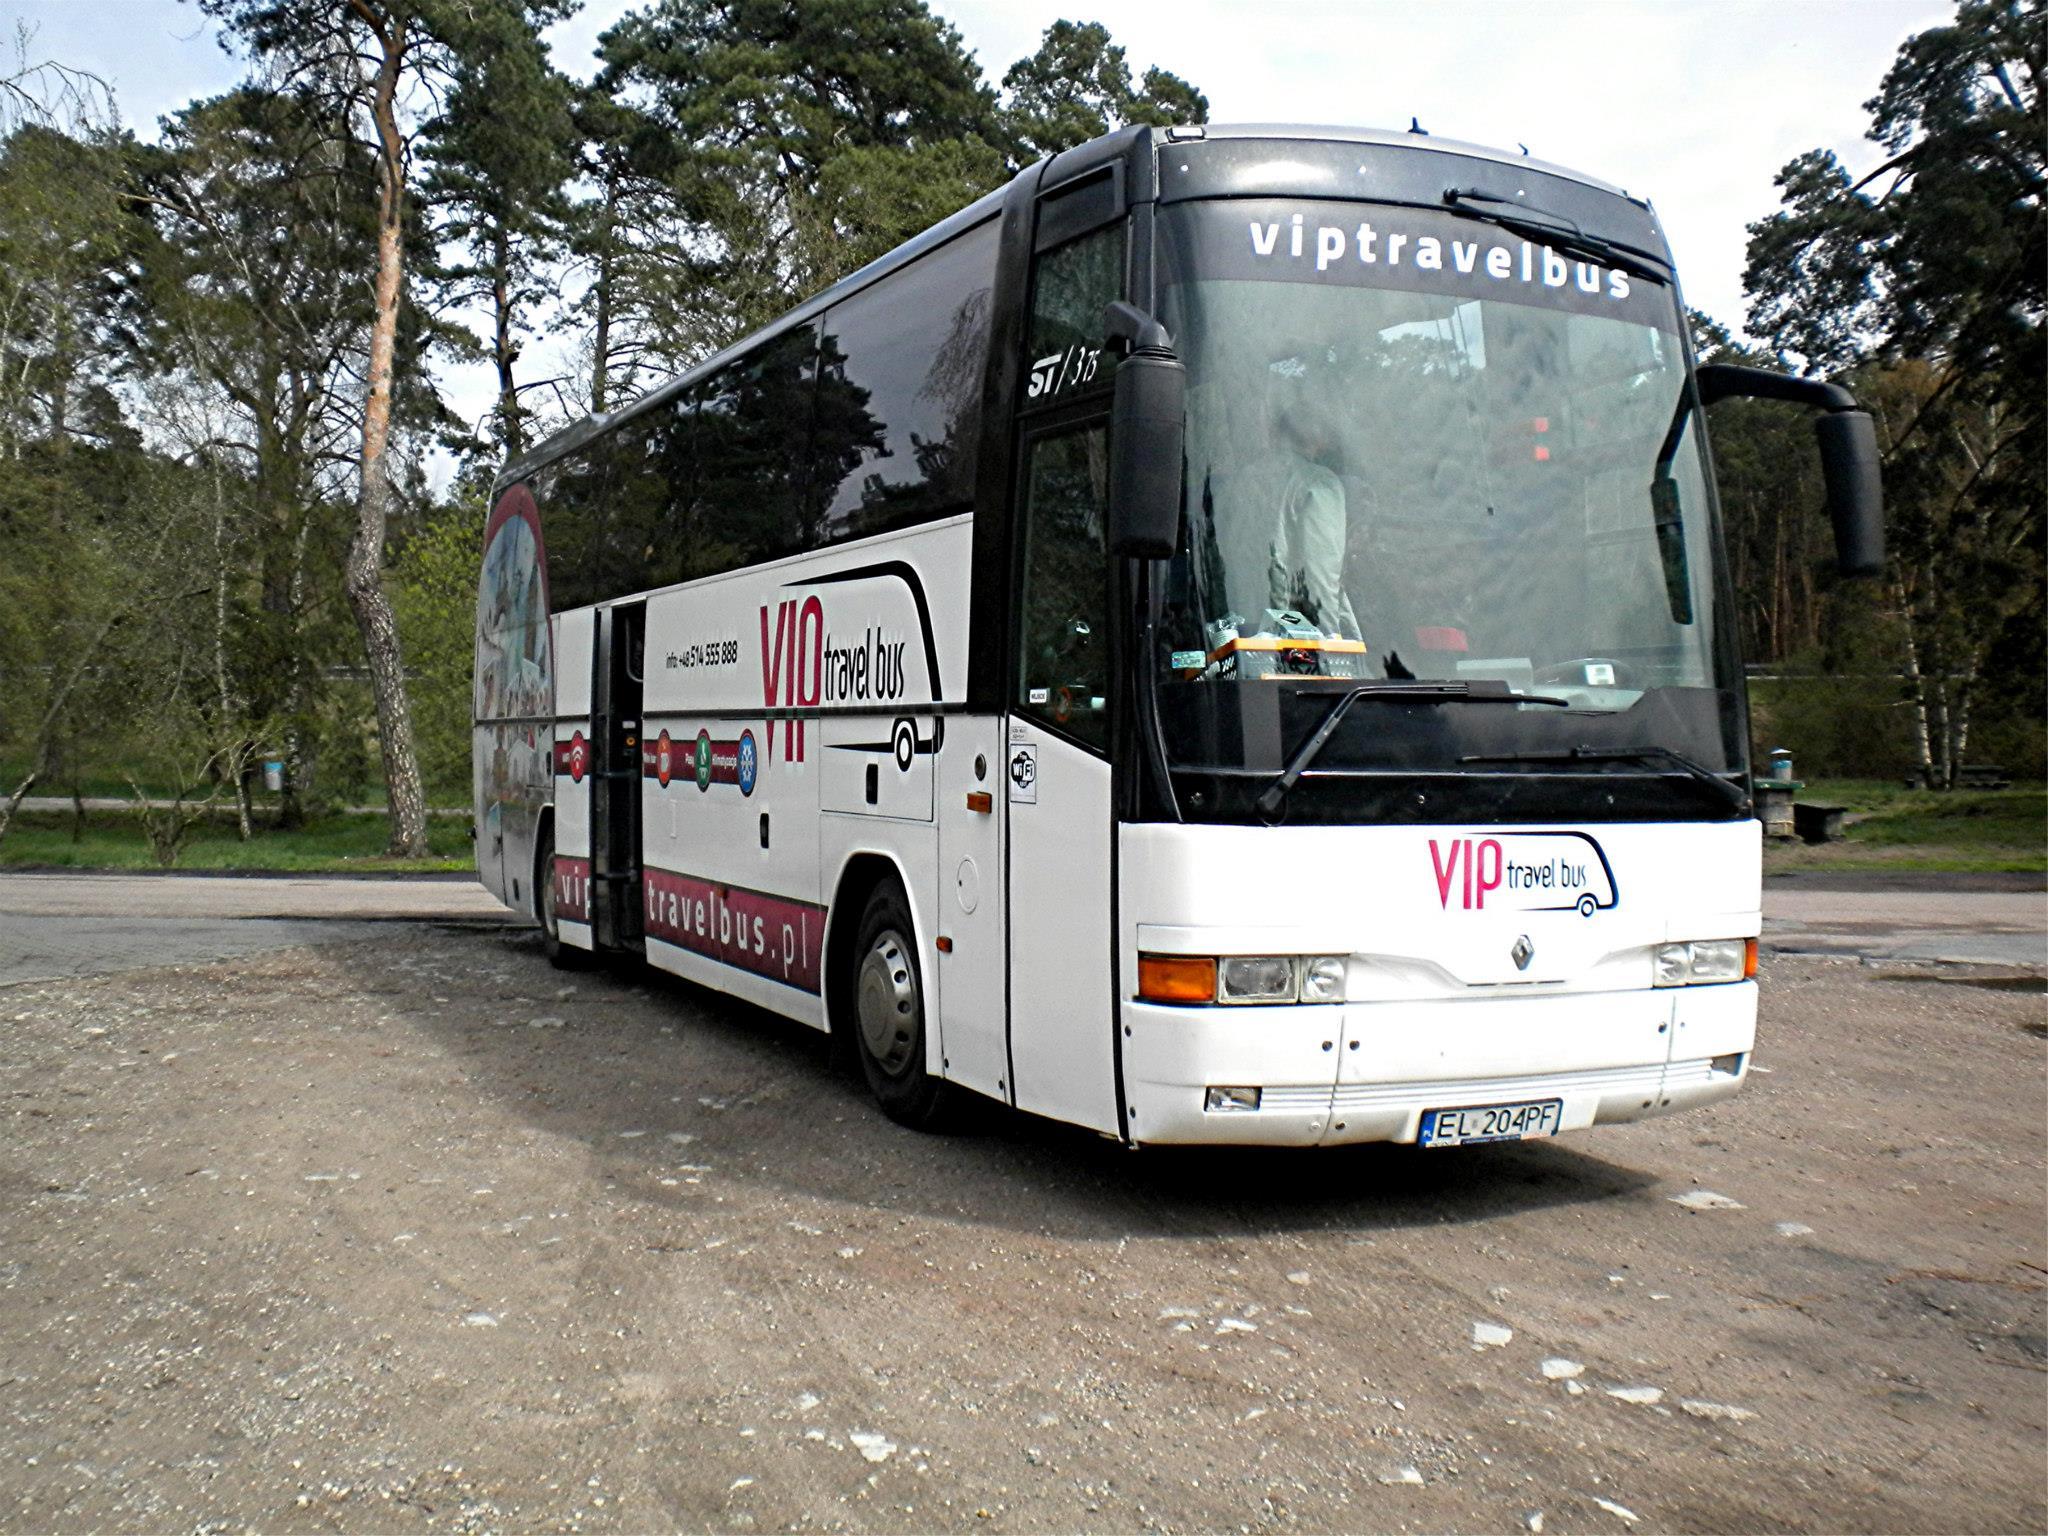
[(1291, 494)]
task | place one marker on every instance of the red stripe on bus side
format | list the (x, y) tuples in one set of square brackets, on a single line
[(572, 889), (767, 935)]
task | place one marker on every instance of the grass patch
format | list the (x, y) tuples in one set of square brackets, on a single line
[(1892, 827), (328, 845)]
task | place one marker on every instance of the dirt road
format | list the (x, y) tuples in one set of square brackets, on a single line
[(410, 1231)]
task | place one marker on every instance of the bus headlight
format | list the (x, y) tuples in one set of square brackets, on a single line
[(1241, 980), (1322, 978), (1702, 961), (1255, 979)]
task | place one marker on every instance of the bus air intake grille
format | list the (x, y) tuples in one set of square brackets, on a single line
[(1310, 1099), (1605, 1081), (1691, 1074)]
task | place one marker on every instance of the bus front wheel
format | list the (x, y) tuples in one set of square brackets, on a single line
[(889, 1014)]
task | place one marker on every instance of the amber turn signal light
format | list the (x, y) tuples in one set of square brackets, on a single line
[(1749, 960), (1176, 978)]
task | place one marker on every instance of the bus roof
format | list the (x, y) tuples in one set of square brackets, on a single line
[(1402, 138)]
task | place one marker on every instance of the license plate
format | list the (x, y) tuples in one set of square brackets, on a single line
[(1491, 1122)]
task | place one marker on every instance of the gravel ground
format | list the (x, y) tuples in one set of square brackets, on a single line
[(415, 1232)]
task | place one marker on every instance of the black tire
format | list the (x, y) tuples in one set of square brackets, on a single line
[(564, 957), (887, 1014)]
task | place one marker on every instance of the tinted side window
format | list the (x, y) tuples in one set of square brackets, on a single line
[(583, 564), (1073, 283), (751, 441), (644, 475), (899, 390)]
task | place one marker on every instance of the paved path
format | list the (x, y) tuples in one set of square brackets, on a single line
[(82, 925), (424, 898), (1940, 923)]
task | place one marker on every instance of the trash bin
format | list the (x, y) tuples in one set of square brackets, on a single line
[(1774, 792), (273, 777)]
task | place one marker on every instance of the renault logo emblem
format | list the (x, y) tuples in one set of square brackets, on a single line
[(1523, 953)]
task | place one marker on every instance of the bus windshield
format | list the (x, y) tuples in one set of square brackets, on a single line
[(1425, 448)]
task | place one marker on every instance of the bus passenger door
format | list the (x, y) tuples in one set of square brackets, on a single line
[(1056, 782), (616, 790), (574, 767)]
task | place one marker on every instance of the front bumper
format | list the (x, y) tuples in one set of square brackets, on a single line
[(1368, 1071)]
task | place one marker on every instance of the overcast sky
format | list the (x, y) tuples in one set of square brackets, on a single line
[(1694, 104)]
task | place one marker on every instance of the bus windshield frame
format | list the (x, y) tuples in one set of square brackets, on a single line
[(1423, 448)]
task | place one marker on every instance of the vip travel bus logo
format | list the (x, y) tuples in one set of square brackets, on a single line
[(1522, 872), (1411, 250), (804, 665), (1368, 245)]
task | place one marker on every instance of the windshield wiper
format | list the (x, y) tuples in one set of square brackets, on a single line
[(1275, 793), (1555, 228), (1734, 794)]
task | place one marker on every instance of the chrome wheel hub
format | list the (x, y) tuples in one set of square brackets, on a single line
[(886, 1001)]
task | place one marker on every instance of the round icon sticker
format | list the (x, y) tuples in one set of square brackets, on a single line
[(703, 760), (664, 759), (1063, 705), (579, 757), (749, 762)]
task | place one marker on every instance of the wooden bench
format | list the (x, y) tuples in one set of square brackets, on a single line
[(1818, 823), (1972, 776), (1982, 776)]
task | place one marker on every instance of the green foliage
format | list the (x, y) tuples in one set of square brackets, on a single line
[(184, 328), (1890, 827), (336, 844), (751, 152), (69, 241), (436, 571), (501, 153), (1928, 277), (1077, 87), (743, 105)]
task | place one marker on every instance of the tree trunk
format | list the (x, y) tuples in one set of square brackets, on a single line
[(365, 568), (1959, 724), (601, 343), (230, 706), (1944, 735), (298, 764), (1922, 740), (14, 803), (505, 352)]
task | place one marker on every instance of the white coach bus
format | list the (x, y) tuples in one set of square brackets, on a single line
[(1226, 639)]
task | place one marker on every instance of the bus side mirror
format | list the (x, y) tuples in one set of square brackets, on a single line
[(1148, 414), (1848, 454), (1848, 460)]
